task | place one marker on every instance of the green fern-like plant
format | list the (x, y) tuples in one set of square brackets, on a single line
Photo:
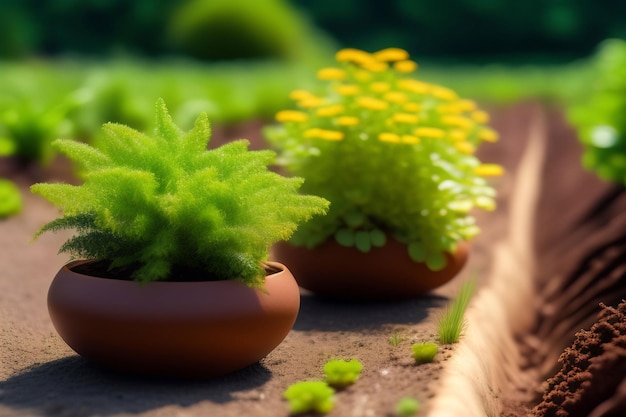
[(155, 204)]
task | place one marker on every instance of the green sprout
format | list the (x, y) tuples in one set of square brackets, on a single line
[(164, 203), (407, 407), (396, 338), (451, 323), (340, 373), (10, 199), (394, 155), (310, 396), (424, 352)]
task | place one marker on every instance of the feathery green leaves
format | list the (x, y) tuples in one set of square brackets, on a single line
[(165, 201)]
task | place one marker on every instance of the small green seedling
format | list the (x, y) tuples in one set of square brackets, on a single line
[(310, 396), (452, 322), (340, 373), (10, 199), (407, 407), (424, 352), (395, 339)]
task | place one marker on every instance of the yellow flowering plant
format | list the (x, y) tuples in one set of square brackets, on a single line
[(394, 155)]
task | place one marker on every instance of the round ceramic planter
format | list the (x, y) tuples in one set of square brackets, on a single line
[(386, 273), (181, 329)]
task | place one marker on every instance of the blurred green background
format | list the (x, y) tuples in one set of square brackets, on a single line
[(67, 66), (467, 30)]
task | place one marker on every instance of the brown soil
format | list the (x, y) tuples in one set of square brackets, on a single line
[(591, 381), (578, 263)]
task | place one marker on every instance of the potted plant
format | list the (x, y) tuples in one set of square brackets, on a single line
[(172, 240), (396, 158)]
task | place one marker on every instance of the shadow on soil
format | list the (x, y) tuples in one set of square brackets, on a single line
[(327, 314), (73, 386)]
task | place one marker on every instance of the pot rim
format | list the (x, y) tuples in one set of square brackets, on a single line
[(272, 269)]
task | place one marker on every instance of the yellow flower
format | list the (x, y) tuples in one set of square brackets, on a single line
[(330, 110), (443, 93), (458, 135), (332, 135), (389, 137), (353, 55), (405, 118), (489, 170), (457, 121), (347, 121), (291, 116), (451, 108), (375, 66), (331, 74), (405, 66), (465, 105), (465, 147), (311, 102), (391, 54), (488, 135), (412, 107), (413, 86), (429, 132), (347, 89), (380, 87), (372, 103), (300, 95), (480, 116), (396, 97)]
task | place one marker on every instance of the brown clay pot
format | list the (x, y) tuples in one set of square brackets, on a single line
[(181, 329), (386, 273)]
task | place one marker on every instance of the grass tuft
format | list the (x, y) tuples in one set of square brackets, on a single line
[(451, 324)]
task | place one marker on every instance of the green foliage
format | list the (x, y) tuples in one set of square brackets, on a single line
[(424, 352), (396, 338), (165, 201), (273, 31), (407, 407), (340, 373), (35, 110), (310, 396), (394, 155), (73, 99), (203, 29), (10, 199), (451, 323), (601, 116)]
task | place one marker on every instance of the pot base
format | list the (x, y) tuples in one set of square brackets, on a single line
[(178, 329), (386, 273)]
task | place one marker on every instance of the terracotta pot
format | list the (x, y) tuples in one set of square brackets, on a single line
[(386, 273), (181, 329)]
